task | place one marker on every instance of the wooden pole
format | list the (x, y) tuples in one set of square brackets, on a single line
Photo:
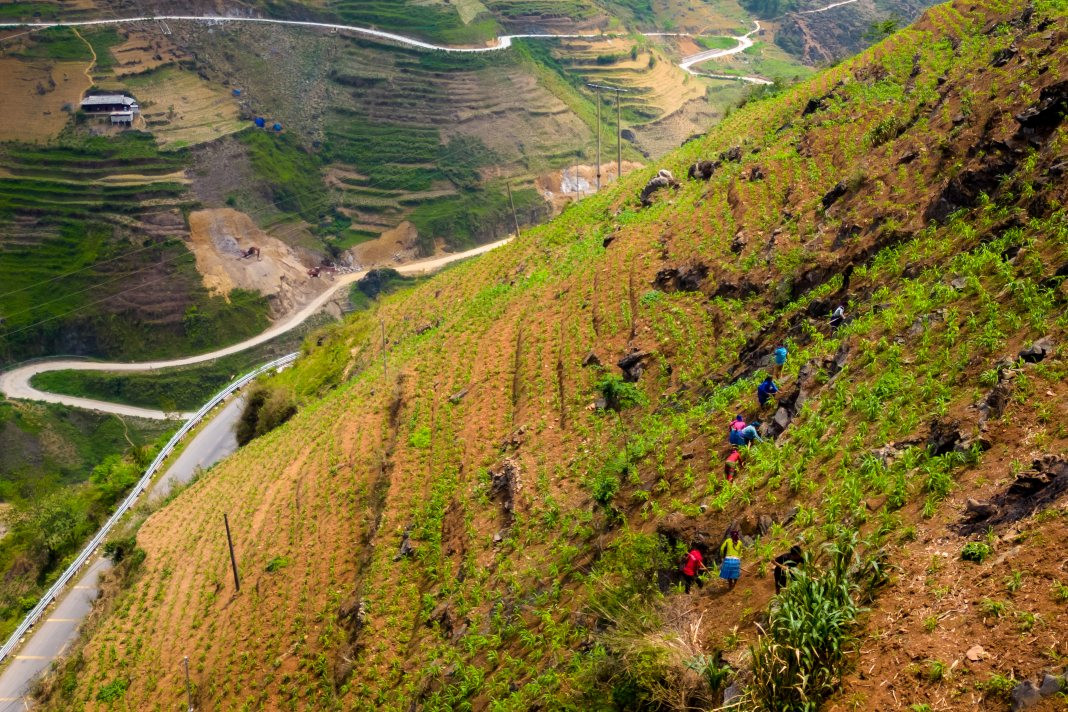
[(512, 203), (385, 372), (233, 559), (188, 686), (619, 140), (597, 130)]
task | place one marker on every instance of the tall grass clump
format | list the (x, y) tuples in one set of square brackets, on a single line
[(797, 662)]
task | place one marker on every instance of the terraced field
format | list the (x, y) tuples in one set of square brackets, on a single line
[(90, 231), (181, 109)]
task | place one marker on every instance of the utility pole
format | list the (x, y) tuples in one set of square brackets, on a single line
[(598, 132), (619, 130), (233, 559), (188, 686), (385, 372), (619, 140), (512, 203)]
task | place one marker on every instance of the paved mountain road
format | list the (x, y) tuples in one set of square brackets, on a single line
[(16, 382), (49, 639), (500, 43)]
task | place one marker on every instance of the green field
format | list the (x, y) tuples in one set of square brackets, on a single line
[(174, 389)]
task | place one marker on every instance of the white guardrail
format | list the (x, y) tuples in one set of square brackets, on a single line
[(46, 600)]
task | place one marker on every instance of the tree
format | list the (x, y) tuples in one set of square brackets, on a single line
[(882, 29)]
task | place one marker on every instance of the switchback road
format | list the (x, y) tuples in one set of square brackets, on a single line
[(16, 382)]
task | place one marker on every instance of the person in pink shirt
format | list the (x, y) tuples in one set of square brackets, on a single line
[(730, 468), (692, 568)]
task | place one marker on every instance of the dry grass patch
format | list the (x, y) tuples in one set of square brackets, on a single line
[(182, 109), (33, 95)]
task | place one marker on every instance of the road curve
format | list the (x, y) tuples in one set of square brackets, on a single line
[(744, 42), (16, 382), (500, 43)]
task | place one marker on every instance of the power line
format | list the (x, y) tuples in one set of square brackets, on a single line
[(98, 284), (260, 210)]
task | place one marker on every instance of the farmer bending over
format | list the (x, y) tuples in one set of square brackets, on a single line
[(692, 568), (730, 467), (766, 390)]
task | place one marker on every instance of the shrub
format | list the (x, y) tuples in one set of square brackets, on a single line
[(796, 662), (265, 409), (976, 551), (605, 487), (278, 562), (114, 690), (619, 394)]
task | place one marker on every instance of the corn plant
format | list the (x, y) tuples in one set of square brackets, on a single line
[(797, 660)]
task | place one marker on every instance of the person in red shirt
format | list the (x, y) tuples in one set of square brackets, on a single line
[(730, 468), (692, 568)]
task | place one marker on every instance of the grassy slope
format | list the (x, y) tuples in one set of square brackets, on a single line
[(467, 621)]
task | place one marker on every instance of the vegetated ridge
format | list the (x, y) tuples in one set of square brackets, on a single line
[(492, 510)]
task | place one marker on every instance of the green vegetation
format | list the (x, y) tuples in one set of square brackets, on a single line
[(23, 10), (57, 43), (404, 156), (293, 175), (61, 472), (181, 389), (521, 548), (78, 268), (265, 409), (798, 660), (102, 40), (716, 42), (769, 8), (467, 219), (975, 551), (174, 389), (436, 22)]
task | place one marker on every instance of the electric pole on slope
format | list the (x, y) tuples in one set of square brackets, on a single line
[(598, 132), (619, 139), (512, 203), (188, 686), (619, 131), (233, 559)]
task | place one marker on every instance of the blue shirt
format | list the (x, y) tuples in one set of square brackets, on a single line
[(765, 390), (780, 355)]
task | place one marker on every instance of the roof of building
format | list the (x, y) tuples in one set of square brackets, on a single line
[(106, 99)]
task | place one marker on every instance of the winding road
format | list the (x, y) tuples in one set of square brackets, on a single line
[(16, 382), (53, 635), (500, 43)]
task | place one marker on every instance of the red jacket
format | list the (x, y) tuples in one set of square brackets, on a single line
[(694, 562), (734, 457)]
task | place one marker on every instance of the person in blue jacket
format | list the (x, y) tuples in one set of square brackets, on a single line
[(766, 390), (780, 359)]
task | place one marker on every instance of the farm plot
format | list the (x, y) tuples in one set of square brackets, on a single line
[(182, 109), (37, 96)]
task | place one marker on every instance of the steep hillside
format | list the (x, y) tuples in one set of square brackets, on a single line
[(492, 511)]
